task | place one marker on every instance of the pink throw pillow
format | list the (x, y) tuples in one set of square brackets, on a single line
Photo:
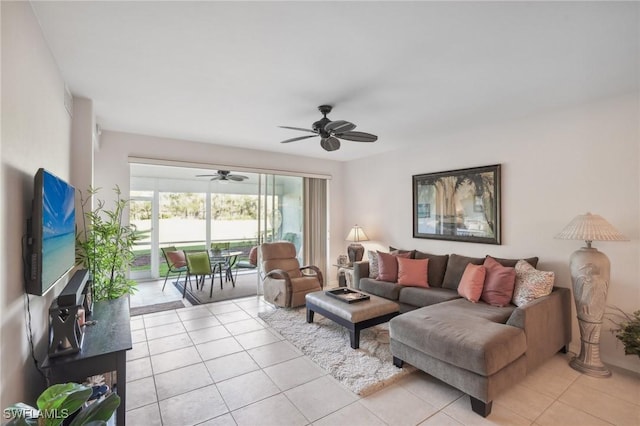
[(177, 258), (413, 272), (388, 265), (472, 282), (498, 283)]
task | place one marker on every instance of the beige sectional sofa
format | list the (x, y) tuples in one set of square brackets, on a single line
[(476, 347)]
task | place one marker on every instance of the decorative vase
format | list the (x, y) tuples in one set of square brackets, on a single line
[(590, 271)]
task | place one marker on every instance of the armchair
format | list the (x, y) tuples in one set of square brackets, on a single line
[(284, 282)]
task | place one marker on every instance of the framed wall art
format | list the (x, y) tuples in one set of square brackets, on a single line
[(458, 205)]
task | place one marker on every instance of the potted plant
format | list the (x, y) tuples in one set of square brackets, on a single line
[(105, 246), (627, 331), (59, 402)]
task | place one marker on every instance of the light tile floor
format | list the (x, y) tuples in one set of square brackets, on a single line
[(219, 364)]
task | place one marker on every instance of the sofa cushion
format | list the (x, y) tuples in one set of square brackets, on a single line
[(384, 289), (421, 297), (455, 269), (498, 284), (437, 267), (531, 283), (511, 263), (462, 307), (388, 265), (472, 343), (394, 250), (413, 272), (472, 282)]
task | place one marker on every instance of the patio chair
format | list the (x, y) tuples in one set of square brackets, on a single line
[(199, 265), (252, 263), (175, 261)]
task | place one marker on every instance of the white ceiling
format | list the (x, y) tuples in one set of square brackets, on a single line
[(230, 72)]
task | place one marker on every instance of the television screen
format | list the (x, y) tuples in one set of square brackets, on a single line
[(53, 231)]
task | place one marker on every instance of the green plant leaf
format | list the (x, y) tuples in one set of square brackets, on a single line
[(18, 412), (105, 247), (62, 398), (21, 421), (98, 411)]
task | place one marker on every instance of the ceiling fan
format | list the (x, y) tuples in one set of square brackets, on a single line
[(331, 131), (225, 175)]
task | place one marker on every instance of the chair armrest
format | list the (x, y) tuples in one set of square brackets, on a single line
[(278, 274), (360, 270), (546, 323), (317, 271)]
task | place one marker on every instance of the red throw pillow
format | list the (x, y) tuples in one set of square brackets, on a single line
[(498, 283), (388, 265), (177, 258), (472, 282), (413, 272)]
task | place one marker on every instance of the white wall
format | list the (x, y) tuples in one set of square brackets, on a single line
[(554, 167), (112, 167), (35, 133), (82, 134)]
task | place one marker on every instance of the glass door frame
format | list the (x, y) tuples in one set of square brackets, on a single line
[(154, 252)]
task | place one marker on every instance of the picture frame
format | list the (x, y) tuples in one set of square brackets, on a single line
[(458, 205)]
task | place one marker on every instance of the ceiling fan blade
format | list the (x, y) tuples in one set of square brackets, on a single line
[(236, 178), (330, 143), (299, 138), (218, 177), (298, 128), (339, 126), (205, 175), (357, 136)]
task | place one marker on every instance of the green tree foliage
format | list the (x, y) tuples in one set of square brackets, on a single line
[(188, 205), (140, 210), (105, 246), (234, 207)]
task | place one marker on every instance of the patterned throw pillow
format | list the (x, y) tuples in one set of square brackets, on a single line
[(373, 264), (531, 283)]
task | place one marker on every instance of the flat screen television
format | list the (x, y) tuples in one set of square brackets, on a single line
[(52, 232)]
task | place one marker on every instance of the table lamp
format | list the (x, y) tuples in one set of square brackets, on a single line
[(355, 250), (590, 279)]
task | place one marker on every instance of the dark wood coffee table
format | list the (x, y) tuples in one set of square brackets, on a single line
[(353, 316)]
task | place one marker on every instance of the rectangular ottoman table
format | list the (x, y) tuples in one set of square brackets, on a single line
[(353, 316)]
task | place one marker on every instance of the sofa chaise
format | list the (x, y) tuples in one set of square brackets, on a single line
[(478, 348)]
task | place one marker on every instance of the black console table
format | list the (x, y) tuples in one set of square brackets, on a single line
[(103, 350)]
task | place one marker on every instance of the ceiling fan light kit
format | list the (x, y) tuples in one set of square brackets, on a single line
[(331, 131)]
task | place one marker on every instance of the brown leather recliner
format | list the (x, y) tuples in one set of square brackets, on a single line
[(285, 282)]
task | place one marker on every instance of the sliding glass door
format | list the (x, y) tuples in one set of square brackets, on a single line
[(193, 213), (280, 212)]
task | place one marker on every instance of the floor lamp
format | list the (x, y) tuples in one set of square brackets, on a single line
[(590, 279)]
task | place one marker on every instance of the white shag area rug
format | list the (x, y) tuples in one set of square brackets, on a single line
[(363, 370)]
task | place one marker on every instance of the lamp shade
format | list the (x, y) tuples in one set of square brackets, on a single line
[(357, 234), (590, 227)]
